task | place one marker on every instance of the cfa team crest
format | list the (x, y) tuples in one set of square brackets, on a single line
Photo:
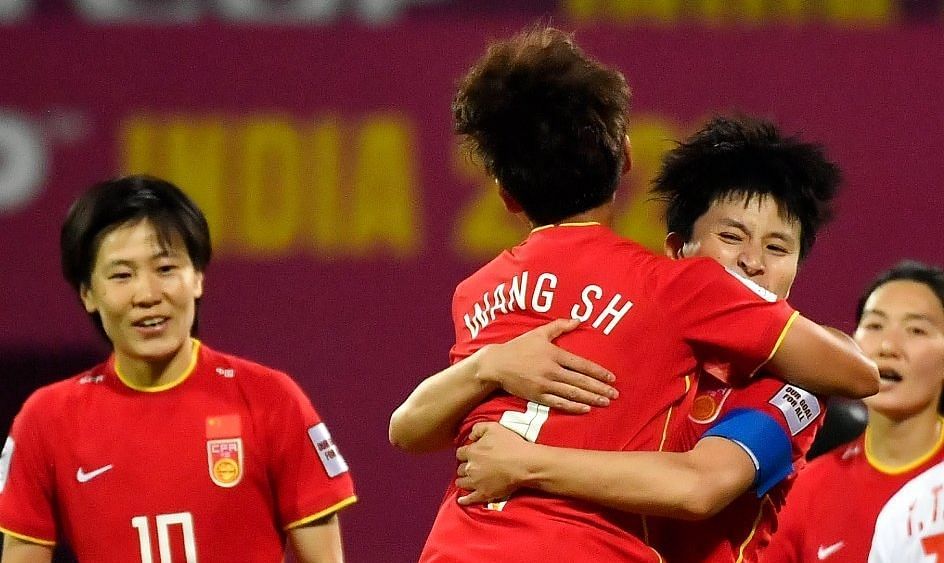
[(225, 459), (707, 405)]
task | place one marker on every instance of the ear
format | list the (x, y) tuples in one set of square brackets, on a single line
[(674, 246), (627, 156), (85, 294), (198, 285), (511, 204)]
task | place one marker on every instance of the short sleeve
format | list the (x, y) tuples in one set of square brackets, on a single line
[(733, 325), (27, 504), (311, 479)]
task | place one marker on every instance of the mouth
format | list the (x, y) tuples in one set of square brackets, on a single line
[(889, 375), (150, 323)]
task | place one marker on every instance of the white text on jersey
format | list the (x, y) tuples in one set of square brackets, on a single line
[(518, 295)]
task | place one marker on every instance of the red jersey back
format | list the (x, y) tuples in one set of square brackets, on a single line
[(213, 467), (648, 319), (831, 511), (743, 528)]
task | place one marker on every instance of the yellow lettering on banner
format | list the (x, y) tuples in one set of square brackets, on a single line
[(138, 139), (793, 11), (195, 163), (641, 218), (187, 152), (270, 185), (582, 10), (652, 10), (384, 202), (733, 11), (741, 11), (860, 11), (324, 160), (484, 227)]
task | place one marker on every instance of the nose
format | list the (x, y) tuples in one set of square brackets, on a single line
[(751, 261), (888, 347), (147, 291)]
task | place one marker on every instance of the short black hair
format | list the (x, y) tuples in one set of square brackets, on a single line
[(548, 122), (109, 205), (745, 156), (907, 270)]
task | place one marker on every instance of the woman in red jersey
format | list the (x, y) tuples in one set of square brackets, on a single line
[(830, 515), (168, 450)]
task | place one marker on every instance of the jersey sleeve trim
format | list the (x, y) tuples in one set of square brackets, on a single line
[(26, 538), (763, 439), (783, 334), (319, 515)]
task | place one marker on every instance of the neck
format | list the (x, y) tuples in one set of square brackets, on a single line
[(602, 214), (144, 373), (901, 442)]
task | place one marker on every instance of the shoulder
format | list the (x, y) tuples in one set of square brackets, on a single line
[(260, 381), (55, 394), (44, 404), (832, 465)]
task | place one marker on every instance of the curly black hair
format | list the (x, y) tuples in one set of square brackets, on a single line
[(743, 156)]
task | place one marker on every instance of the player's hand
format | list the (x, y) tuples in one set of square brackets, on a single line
[(533, 368), (492, 465)]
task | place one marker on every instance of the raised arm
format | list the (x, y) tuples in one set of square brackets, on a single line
[(823, 360), (692, 485), (529, 366)]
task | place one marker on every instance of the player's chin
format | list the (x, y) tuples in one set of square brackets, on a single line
[(160, 349)]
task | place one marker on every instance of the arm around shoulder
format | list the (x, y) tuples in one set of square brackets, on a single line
[(429, 418), (824, 360)]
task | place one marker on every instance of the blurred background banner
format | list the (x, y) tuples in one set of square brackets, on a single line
[(317, 137)]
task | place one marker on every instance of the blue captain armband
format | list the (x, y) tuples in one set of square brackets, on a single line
[(763, 439)]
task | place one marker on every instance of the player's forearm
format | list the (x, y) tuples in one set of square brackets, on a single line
[(825, 361), (16, 550), (429, 418), (675, 485), (318, 542)]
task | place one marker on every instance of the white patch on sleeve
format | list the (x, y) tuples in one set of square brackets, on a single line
[(331, 458), (749, 284), (6, 456), (800, 408)]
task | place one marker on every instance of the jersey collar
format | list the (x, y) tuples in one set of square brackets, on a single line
[(194, 354)]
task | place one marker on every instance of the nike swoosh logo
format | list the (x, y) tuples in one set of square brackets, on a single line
[(824, 552), (83, 477)]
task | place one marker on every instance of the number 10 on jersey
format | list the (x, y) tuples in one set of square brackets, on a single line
[(163, 522)]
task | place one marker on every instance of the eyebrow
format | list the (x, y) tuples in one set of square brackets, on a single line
[(786, 237), (907, 317), (163, 253)]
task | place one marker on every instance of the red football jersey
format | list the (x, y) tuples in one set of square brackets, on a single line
[(831, 511), (645, 317), (737, 533), (213, 467)]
